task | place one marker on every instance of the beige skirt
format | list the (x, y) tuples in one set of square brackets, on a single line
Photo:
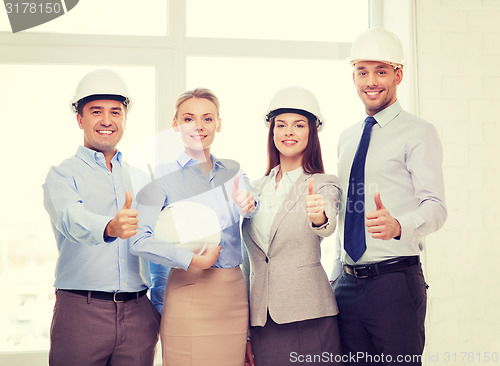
[(205, 318)]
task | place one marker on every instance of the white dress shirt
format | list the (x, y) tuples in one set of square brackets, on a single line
[(403, 163), (271, 200)]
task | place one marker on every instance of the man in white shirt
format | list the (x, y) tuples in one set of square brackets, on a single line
[(393, 195)]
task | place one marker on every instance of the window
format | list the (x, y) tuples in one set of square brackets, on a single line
[(110, 17), (40, 131), (296, 20)]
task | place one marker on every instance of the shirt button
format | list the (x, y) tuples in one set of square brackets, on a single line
[(123, 283), (123, 260), (267, 260)]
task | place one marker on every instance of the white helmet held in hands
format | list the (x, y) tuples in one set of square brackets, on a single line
[(295, 99), (190, 225), (378, 44), (101, 84)]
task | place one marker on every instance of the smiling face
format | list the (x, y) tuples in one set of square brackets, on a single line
[(291, 135), (103, 123), (197, 119), (376, 83)]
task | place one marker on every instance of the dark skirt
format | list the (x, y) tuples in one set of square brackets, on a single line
[(307, 342)]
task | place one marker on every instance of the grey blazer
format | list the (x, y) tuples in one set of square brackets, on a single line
[(289, 280)]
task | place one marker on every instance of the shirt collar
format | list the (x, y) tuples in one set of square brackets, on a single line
[(291, 176), (185, 160), (92, 157), (386, 115), (274, 171)]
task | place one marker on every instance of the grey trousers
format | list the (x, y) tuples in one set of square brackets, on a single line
[(92, 332)]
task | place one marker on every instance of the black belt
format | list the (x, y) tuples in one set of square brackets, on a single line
[(111, 296), (375, 269)]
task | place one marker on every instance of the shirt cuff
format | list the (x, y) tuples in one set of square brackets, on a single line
[(183, 258), (407, 228), (320, 227), (324, 230), (99, 229), (250, 214)]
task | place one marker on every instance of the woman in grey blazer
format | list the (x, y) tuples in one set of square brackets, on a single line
[(292, 307)]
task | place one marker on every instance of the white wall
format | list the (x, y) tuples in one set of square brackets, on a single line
[(458, 50)]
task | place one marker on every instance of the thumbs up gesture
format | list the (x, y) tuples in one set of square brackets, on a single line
[(125, 223), (243, 199), (380, 223), (315, 205)]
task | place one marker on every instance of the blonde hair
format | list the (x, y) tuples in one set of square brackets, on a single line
[(201, 93)]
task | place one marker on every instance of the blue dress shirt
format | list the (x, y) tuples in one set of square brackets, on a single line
[(403, 163), (183, 180), (81, 196)]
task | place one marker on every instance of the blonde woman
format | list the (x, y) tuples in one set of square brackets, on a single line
[(205, 313)]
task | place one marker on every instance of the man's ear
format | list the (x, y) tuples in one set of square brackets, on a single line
[(79, 120), (399, 75)]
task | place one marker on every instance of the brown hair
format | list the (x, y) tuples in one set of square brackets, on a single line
[(312, 162), (201, 93)]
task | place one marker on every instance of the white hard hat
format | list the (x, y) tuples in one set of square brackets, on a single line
[(295, 99), (101, 84), (190, 225), (378, 44)]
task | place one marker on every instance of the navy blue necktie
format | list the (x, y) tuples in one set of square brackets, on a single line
[(354, 227)]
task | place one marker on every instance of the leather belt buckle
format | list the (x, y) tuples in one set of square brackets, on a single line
[(375, 269), (358, 272), (114, 298)]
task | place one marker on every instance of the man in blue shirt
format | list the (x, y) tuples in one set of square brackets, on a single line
[(101, 315), (392, 197)]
